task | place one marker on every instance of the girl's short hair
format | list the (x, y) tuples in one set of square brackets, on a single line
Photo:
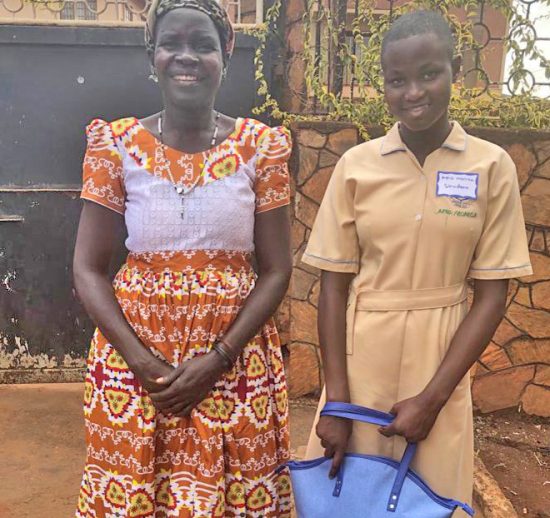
[(417, 23)]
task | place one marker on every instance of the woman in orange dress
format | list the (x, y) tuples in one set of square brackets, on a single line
[(185, 395)]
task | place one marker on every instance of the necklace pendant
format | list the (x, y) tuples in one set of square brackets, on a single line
[(179, 189)]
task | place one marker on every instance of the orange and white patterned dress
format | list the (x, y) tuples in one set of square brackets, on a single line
[(190, 221)]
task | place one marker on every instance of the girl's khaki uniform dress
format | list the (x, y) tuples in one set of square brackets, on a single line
[(413, 235)]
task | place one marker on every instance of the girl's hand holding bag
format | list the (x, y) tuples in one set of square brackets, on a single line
[(366, 486)]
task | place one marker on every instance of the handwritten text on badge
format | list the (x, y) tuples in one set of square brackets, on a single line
[(457, 185)]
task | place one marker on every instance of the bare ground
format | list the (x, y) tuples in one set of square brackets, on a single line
[(515, 448), (42, 451)]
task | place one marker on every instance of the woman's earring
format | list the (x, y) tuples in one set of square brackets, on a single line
[(224, 74), (153, 75)]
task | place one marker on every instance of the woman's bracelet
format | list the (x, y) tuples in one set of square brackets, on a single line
[(221, 349), (229, 349)]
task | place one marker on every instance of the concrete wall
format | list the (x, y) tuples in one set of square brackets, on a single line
[(515, 368)]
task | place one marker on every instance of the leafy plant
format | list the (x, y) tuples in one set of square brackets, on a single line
[(360, 55)]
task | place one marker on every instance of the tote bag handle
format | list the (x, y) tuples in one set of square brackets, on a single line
[(368, 415), (371, 416), (357, 413)]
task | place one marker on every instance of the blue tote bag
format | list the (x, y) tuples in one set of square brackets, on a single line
[(366, 486)]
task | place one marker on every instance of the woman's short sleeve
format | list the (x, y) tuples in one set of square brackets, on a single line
[(272, 186), (333, 244), (502, 251), (103, 178)]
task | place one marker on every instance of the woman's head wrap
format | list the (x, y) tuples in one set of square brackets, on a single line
[(209, 7)]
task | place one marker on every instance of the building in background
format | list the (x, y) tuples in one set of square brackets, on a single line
[(107, 12), (490, 28)]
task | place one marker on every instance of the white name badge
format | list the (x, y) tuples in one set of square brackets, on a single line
[(457, 185)]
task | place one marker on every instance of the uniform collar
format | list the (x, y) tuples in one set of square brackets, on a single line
[(392, 141), (456, 139)]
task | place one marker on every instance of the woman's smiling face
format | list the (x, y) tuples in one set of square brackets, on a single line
[(188, 57), (418, 76)]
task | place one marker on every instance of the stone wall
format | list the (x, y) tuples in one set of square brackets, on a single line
[(515, 369)]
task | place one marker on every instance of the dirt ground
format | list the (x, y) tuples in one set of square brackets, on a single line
[(516, 451), (42, 451)]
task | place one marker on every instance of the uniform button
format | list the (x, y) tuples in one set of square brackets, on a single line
[(418, 217)]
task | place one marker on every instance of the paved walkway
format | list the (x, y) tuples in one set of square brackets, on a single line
[(42, 448)]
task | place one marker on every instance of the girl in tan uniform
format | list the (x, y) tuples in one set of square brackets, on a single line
[(406, 219)]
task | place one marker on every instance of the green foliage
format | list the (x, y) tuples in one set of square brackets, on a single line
[(365, 105)]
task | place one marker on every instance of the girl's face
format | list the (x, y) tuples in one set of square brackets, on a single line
[(188, 57), (418, 75)]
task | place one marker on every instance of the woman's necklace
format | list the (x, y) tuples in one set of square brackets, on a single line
[(179, 188)]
